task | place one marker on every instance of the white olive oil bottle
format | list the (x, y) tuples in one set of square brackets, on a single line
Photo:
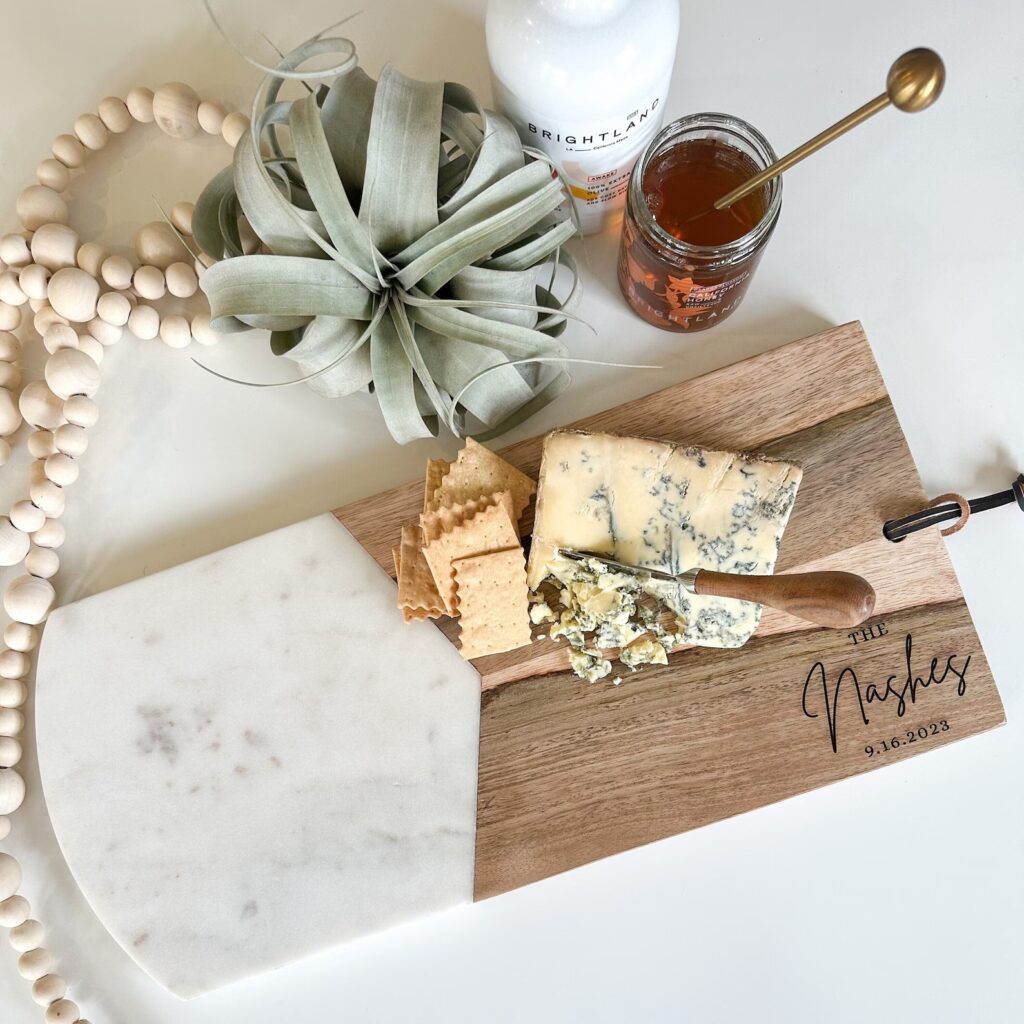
[(585, 81)]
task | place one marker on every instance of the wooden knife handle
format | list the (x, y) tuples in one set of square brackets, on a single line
[(824, 598)]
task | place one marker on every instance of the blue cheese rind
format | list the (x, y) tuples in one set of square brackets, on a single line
[(664, 506)]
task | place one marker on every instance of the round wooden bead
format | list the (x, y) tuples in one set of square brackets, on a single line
[(12, 723), (144, 322), (73, 294), (81, 411), (139, 102), (26, 517), (114, 114), (181, 217), (63, 471), (13, 664), (62, 1011), (181, 280), (48, 989), (45, 494), (40, 406), (10, 416), (13, 693), (10, 876), (90, 258), (14, 543), (34, 280), (235, 125), (71, 440), (27, 935), (10, 347), (5, 448), (38, 205), (10, 317), (59, 336), (10, 755), (158, 245), (106, 334), (91, 131), (14, 250), (28, 599), (71, 372), (41, 444), (12, 795), (211, 117), (91, 347), (175, 331), (116, 271), (14, 910), (47, 315), (55, 246), (176, 109), (69, 151), (20, 637), (41, 562), (53, 174), (149, 282), (50, 535), (113, 308), (11, 291), (202, 331)]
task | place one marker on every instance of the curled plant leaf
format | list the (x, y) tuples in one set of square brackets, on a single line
[(403, 228)]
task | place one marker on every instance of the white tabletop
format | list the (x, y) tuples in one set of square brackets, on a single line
[(898, 895)]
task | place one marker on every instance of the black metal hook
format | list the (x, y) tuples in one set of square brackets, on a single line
[(896, 530)]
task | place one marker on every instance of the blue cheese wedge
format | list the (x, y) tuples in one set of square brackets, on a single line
[(661, 506)]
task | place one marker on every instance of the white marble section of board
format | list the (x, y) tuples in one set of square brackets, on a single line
[(251, 756)]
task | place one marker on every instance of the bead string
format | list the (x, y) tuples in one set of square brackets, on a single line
[(81, 298)]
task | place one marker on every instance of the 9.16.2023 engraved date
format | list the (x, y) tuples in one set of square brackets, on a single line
[(912, 736)]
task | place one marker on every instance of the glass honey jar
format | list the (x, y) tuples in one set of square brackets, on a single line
[(683, 265)]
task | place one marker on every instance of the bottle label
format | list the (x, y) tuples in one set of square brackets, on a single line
[(596, 158)]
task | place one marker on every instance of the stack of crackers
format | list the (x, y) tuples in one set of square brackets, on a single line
[(463, 558)]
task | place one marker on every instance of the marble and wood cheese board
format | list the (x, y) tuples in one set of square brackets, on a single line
[(251, 756), (570, 772)]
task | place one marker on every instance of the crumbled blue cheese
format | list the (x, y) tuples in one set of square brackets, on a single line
[(661, 506)]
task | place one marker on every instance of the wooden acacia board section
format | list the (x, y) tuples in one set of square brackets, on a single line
[(571, 772)]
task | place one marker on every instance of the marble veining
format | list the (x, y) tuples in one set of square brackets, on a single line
[(251, 756)]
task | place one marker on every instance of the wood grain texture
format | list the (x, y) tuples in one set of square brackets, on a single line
[(571, 772)]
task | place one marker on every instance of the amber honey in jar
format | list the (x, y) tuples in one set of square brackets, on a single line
[(683, 265)]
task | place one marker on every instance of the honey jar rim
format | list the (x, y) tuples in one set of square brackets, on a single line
[(729, 124)]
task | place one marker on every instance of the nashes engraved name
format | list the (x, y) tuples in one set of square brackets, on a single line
[(901, 688)]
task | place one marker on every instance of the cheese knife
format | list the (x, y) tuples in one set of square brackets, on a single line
[(825, 598)]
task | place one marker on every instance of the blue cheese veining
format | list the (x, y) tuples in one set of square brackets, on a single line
[(662, 506)]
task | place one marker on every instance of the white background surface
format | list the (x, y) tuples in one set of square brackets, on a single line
[(898, 895)]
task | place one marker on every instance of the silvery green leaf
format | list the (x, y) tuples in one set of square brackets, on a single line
[(394, 385), (497, 286), (266, 288), (454, 363), (499, 155), (326, 191), (322, 342), (399, 200), (346, 117)]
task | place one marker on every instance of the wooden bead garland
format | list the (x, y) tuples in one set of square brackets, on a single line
[(79, 297), (12, 788), (176, 110), (14, 911), (26, 936), (38, 205)]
